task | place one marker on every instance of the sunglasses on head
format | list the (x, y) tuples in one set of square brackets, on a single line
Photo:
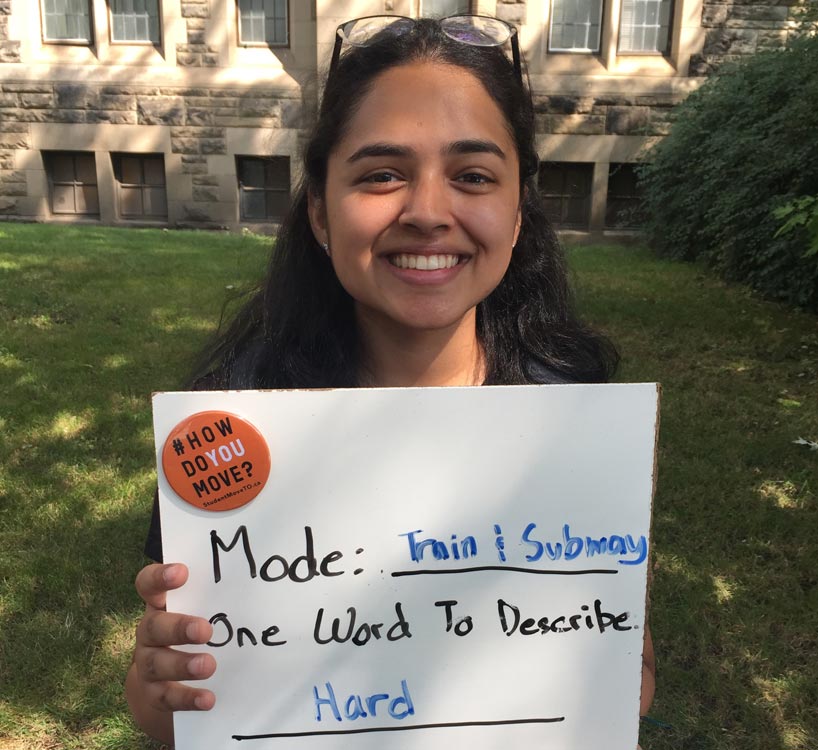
[(477, 31)]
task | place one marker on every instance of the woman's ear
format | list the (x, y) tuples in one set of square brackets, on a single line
[(519, 222), (318, 218)]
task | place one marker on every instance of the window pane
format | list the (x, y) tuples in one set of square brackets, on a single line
[(252, 172), (62, 168), (252, 204), (442, 8), (154, 171), (575, 25), (277, 173), (155, 201), (277, 203), (63, 199), (135, 20), (644, 25), (86, 171), (87, 199), (131, 170), (566, 189), (130, 201), (67, 19)]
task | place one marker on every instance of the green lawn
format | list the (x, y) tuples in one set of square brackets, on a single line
[(93, 320)]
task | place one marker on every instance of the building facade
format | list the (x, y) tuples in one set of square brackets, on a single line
[(190, 113)]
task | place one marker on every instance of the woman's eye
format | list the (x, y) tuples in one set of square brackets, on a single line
[(475, 178), (381, 177)]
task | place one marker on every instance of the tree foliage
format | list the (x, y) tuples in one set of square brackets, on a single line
[(742, 148)]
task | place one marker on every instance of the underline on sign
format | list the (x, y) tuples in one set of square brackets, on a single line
[(506, 568), (443, 725)]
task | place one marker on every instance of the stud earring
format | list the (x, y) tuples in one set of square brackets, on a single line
[(326, 247)]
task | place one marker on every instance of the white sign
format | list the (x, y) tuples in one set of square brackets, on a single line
[(432, 567)]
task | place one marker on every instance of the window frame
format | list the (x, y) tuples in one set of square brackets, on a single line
[(470, 9), (48, 156), (136, 42), (633, 200), (666, 53), (587, 198), (45, 39), (265, 43), (119, 184), (243, 190), (603, 7)]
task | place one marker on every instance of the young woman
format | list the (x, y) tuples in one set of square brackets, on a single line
[(416, 253)]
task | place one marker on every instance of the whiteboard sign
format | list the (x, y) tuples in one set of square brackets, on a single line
[(432, 567)]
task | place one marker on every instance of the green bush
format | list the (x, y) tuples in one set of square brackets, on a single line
[(741, 148)]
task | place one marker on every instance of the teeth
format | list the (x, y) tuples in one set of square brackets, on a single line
[(424, 262)]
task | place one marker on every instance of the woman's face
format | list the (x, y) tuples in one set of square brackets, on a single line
[(422, 202)]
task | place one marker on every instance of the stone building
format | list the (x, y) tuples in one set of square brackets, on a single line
[(190, 112)]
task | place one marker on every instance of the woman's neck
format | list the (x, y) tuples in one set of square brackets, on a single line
[(394, 356)]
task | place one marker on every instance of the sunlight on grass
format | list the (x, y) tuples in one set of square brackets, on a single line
[(783, 494), (724, 589), (67, 425), (115, 361), (777, 696)]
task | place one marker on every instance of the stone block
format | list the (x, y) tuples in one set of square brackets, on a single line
[(189, 10), (8, 100), (258, 108), (213, 146), (233, 93), (197, 116), (772, 39), (205, 194), (71, 116), (198, 132), (715, 15), (184, 145), (112, 117), (9, 52), (160, 110), (8, 206), (759, 12), (118, 102), (36, 101), (15, 189), (571, 124), (564, 105), (5, 7), (27, 88), (197, 101), (13, 127), (210, 61), (192, 212), (628, 121), (13, 176), (721, 42), (194, 169), (511, 13), (187, 60), (75, 96), (209, 180), (195, 36), (186, 91)]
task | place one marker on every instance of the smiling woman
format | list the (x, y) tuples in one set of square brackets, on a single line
[(415, 253)]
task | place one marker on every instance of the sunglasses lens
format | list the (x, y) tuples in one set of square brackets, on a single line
[(476, 30), (362, 31)]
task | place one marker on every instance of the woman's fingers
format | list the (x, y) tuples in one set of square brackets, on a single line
[(167, 665), (154, 581), (173, 696), (158, 628)]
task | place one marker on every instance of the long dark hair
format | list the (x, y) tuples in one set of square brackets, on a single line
[(298, 330)]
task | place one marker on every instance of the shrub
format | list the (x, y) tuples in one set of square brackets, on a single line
[(742, 147)]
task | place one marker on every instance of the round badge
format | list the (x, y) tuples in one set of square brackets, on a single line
[(216, 461)]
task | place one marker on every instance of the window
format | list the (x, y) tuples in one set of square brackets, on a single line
[(264, 187), (644, 26), (66, 21), (624, 207), (72, 183), (135, 21), (443, 8), (263, 22), (566, 192), (575, 26), (140, 186)]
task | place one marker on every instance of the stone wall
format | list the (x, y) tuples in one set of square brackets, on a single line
[(195, 52), (743, 27), (199, 119), (614, 114), (9, 50)]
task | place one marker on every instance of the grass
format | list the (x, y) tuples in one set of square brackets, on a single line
[(93, 320)]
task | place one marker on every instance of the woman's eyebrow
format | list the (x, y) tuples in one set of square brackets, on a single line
[(380, 149), (475, 146)]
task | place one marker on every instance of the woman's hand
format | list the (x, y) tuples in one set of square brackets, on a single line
[(153, 687)]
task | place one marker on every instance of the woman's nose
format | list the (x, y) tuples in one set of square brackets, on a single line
[(427, 205)]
